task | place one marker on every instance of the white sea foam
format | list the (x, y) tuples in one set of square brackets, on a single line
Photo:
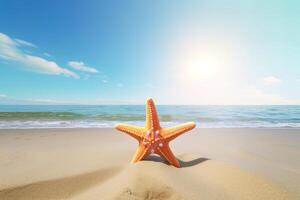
[(110, 124)]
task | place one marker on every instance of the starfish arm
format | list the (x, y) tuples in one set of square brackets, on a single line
[(134, 131), (167, 154), (152, 120), (140, 153), (173, 132)]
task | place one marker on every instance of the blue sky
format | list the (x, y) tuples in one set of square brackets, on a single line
[(121, 52)]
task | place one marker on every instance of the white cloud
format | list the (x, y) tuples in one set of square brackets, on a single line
[(4, 99), (104, 77), (10, 51), (47, 54), (6, 40), (80, 66), (25, 43), (48, 67), (271, 80), (255, 96), (2, 96), (47, 101)]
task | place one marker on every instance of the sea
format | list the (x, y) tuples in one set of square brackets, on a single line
[(87, 116)]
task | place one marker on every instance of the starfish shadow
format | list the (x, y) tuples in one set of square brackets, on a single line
[(183, 164), (192, 162)]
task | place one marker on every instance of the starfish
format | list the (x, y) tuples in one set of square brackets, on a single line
[(152, 138)]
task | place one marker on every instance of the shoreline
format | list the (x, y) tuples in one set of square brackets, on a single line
[(200, 128)]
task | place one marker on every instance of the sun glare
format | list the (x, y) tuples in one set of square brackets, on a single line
[(202, 70)]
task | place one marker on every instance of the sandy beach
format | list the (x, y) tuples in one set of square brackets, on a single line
[(91, 164), (143, 100)]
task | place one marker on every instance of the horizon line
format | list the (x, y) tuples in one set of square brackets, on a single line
[(144, 104)]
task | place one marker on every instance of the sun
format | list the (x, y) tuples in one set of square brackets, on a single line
[(202, 70), (203, 63)]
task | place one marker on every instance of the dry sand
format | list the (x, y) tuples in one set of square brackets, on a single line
[(94, 164)]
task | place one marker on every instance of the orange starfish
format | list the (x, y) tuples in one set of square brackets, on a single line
[(152, 138)]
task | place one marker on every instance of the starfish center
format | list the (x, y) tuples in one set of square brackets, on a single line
[(153, 140)]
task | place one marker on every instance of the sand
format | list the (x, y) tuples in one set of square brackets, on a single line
[(94, 164)]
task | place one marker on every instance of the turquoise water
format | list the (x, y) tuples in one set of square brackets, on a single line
[(65, 116)]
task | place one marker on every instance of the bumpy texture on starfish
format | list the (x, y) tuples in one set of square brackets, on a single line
[(152, 138)]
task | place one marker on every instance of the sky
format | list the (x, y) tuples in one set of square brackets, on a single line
[(177, 52)]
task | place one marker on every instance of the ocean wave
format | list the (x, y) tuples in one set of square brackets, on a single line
[(17, 124), (39, 115), (106, 116)]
